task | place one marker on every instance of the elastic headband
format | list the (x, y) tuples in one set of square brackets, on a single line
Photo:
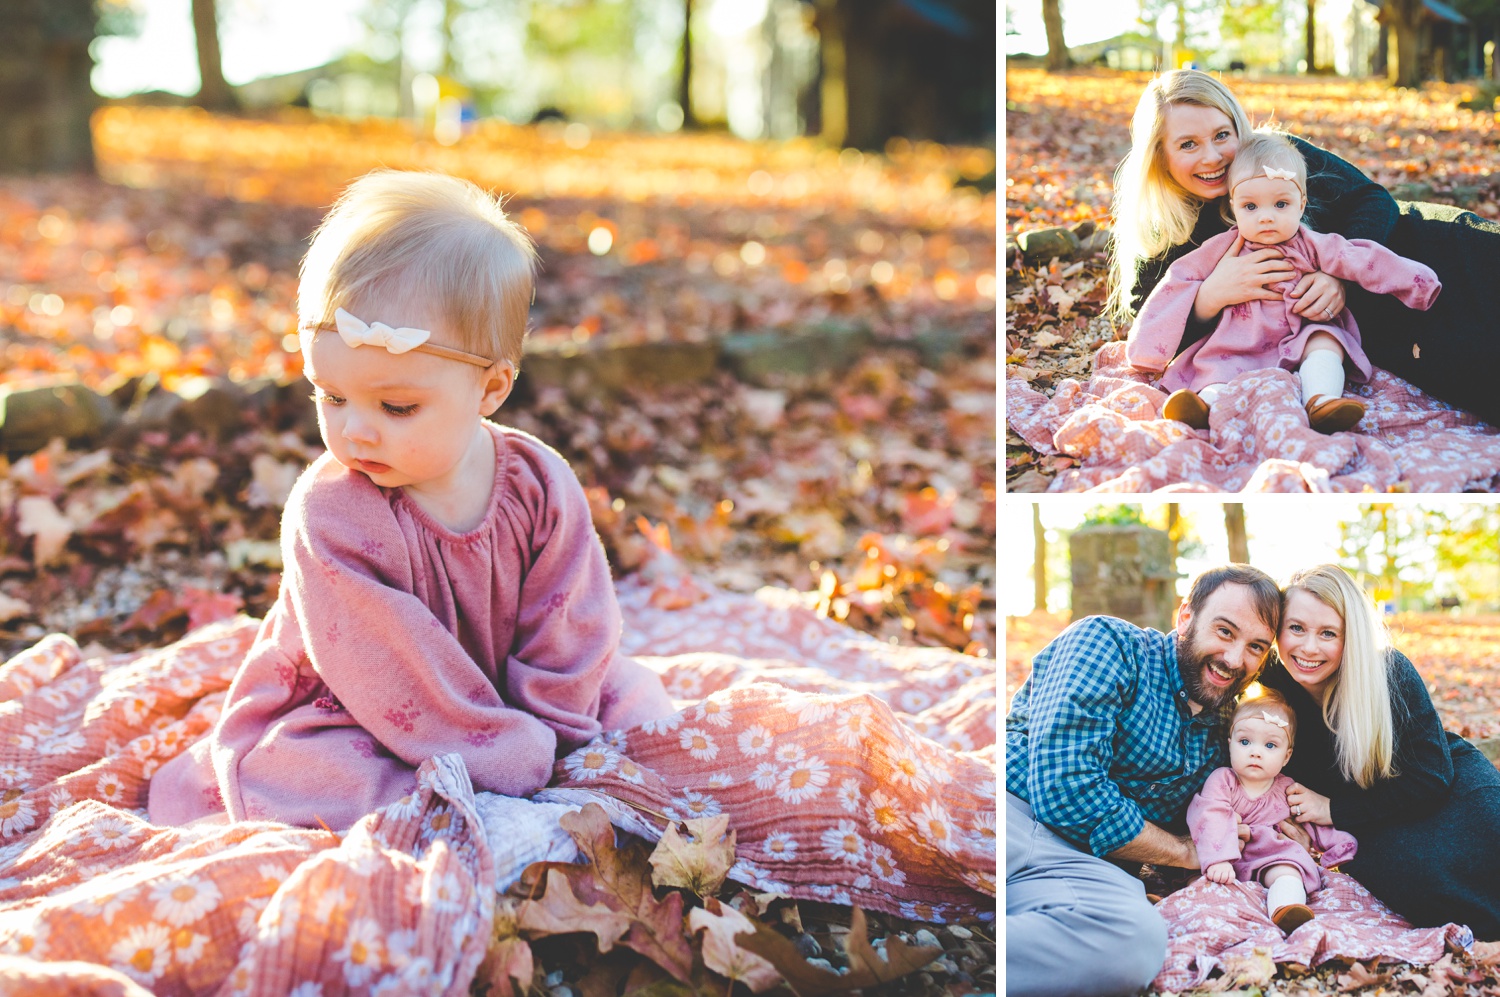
[(356, 333), (1272, 173)]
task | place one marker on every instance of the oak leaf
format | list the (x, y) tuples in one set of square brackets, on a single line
[(560, 912), (866, 967), (1360, 976), (620, 878), (700, 862), (507, 967), (719, 925), (38, 517), (1250, 969)]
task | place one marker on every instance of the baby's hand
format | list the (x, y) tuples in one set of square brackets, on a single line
[(1220, 872)]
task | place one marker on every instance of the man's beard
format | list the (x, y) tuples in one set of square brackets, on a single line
[(1191, 662)]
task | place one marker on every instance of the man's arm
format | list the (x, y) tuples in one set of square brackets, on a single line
[(1158, 847)]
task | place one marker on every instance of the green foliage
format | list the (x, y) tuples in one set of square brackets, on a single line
[(117, 17), (1114, 515)]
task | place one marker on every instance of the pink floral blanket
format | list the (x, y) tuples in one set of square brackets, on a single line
[(852, 771), (1212, 926), (1258, 439)]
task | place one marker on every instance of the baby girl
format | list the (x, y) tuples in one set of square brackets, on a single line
[(1252, 791), (444, 589), (1267, 194)]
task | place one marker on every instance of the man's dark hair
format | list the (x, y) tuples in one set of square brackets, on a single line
[(1265, 592)]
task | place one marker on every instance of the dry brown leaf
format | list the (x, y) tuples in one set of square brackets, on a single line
[(620, 878), (719, 924), (559, 912), (11, 609), (39, 518), (699, 862), (507, 967), (1361, 976)]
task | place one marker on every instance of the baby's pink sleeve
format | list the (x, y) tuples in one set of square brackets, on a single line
[(1337, 846), (1212, 820), (385, 657), (568, 621)]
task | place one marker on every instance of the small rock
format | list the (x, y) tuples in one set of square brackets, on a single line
[(30, 417), (808, 946), (1083, 229), (925, 937), (562, 991), (821, 964), (553, 979), (1043, 244), (959, 931)]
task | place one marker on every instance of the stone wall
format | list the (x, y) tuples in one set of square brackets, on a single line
[(1123, 571)]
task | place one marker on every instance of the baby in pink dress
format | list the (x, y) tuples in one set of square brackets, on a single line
[(1252, 791), (1267, 193), (443, 589)]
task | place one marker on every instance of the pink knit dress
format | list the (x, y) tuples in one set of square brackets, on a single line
[(1212, 816), (1264, 334), (394, 639)]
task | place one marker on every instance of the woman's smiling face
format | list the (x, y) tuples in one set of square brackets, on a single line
[(1311, 641), (1199, 144)]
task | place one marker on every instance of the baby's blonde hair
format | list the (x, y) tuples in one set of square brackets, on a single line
[(1263, 699), (397, 236), (1261, 149), (1151, 211)]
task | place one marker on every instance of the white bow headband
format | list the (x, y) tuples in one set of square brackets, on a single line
[(356, 333), (1272, 173), (1272, 718)]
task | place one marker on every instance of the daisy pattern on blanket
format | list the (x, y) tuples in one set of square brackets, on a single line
[(1258, 438)]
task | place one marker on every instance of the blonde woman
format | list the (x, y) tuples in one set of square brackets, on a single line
[(1170, 198), (1372, 758)]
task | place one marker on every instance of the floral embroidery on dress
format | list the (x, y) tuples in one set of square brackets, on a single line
[(404, 717)]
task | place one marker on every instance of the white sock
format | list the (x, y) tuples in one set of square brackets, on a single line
[(1322, 373), (1286, 890), (1212, 392)]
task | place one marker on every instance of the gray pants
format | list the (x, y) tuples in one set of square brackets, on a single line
[(1075, 925)]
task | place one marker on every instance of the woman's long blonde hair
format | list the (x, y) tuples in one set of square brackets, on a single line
[(1357, 703), (1151, 211)]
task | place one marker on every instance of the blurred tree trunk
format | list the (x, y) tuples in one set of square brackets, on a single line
[(1404, 17), (1234, 526), (213, 92), (1312, 36), (1174, 530), (449, 67), (685, 80), (45, 94), (1057, 49), (1039, 558)]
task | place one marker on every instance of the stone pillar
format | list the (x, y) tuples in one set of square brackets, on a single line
[(1123, 571)]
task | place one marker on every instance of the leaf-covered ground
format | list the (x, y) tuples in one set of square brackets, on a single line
[(867, 481), (1066, 133), (1459, 656)]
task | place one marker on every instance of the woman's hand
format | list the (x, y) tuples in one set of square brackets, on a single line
[(1319, 296), (1307, 806), (1220, 872), (1236, 279), (1296, 832)]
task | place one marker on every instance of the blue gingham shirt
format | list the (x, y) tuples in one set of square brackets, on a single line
[(1100, 737)]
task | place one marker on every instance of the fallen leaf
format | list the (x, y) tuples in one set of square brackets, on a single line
[(621, 878), (559, 912), (866, 967), (719, 925), (700, 862), (507, 966), (39, 518), (895, 961), (204, 607), (1046, 338), (11, 609), (1360, 976)]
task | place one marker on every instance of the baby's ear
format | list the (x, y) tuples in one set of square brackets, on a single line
[(498, 380)]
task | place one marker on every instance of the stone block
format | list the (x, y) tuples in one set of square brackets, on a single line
[(764, 358), (32, 416), (1041, 245)]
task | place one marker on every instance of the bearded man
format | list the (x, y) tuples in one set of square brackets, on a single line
[(1106, 742)]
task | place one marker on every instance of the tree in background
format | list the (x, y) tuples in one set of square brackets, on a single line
[(45, 94), (1310, 35), (1234, 528), (1404, 17), (213, 91), (1467, 549), (1252, 29), (1058, 58), (1388, 551), (1039, 558)]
